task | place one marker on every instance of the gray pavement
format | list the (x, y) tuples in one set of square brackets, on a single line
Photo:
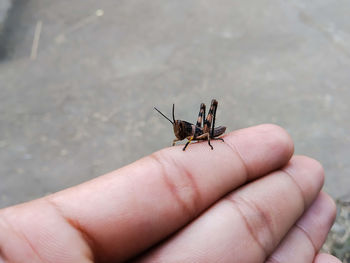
[(5, 5), (79, 102)]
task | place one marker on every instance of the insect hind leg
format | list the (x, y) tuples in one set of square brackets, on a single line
[(214, 106), (210, 118), (201, 116)]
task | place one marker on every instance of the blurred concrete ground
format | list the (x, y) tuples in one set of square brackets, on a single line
[(79, 102), (4, 7)]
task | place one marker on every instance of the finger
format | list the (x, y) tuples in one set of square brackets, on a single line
[(326, 258), (131, 209), (248, 224), (306, 238), (34, 232), (154, 197)]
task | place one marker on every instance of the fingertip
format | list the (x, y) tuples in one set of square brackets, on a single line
[(318, 219), (273, 147), (309, 233), (326, 258), (282, 139), (279, 136), (308, 174), (329, 205), (314, 166)]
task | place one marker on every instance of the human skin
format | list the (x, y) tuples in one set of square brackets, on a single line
[(248, 200)]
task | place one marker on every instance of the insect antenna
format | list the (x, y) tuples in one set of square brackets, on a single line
[(173, 112), (164, 115)]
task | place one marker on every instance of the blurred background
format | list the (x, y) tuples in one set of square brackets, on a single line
[(79, 80)]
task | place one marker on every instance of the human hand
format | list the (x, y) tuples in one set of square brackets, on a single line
[(248, 200)]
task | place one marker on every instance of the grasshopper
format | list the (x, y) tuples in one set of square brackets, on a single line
[(185, 130)]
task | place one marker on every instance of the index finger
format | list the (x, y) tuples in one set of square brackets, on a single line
[(127, 211)]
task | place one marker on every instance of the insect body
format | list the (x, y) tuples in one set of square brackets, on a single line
[(185, 130)]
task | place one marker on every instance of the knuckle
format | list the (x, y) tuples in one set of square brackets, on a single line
[(180, 183), (258, 222)]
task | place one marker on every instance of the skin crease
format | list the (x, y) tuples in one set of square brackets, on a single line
[(248, 200)]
